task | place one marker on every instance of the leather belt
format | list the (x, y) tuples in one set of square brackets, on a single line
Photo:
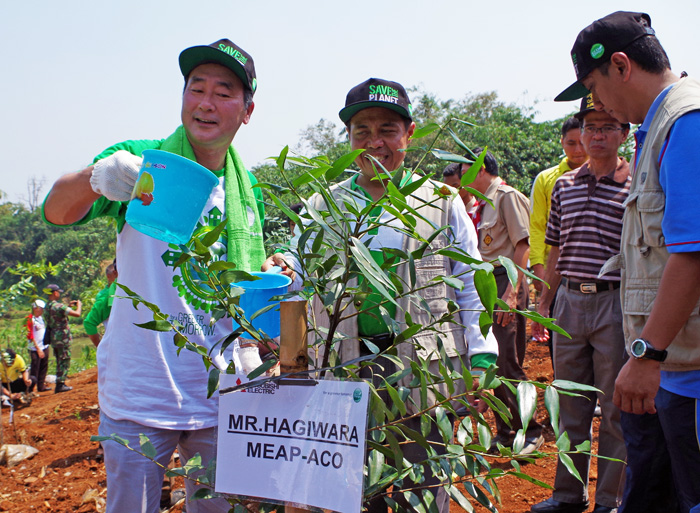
[(383, 342), (590, 287)]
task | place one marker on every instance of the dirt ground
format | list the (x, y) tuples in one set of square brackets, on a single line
[(66, 475)]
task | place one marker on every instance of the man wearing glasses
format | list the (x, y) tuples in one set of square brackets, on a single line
[(584, 227)]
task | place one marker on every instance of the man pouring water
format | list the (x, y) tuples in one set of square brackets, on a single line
[(144, 386)]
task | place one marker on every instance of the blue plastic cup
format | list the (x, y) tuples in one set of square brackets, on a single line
[(257, 296), (169, 196)]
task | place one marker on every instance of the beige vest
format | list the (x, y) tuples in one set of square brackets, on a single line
[(430, 266), (643, 245)]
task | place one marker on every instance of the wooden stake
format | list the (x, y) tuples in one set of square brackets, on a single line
[(293, 355)]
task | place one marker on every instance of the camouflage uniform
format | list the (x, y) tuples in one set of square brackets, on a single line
[(57, 320)]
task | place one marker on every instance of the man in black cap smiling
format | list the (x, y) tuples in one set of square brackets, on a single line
[(621, 62), (378, 117), (145, 387)]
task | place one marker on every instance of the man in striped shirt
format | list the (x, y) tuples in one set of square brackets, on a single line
[(584, 228)]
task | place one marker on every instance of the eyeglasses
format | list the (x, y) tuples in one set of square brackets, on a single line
[(605, 130)]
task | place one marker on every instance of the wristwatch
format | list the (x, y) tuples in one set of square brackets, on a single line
[(643, 350)]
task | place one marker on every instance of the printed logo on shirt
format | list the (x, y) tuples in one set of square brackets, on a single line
[(189, 283), (488, 240)]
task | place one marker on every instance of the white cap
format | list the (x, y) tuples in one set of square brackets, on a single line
[(39, 303)]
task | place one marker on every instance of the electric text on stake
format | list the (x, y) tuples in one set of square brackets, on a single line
[(299, 429)]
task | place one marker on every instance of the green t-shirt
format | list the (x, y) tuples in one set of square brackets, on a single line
[(100, 310), (370, 322)]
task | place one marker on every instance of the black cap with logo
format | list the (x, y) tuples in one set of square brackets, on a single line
[(598, 41), (376, 92), (226, 53), (586, 107)]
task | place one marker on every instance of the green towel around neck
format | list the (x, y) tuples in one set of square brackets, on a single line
[(245, 236)]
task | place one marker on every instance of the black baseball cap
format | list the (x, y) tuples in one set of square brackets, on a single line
[(586, 107), (55, 288), (598, 41), (226, 53), (376, 92)]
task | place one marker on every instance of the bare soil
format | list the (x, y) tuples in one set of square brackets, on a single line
[(516, 494), (67, 476)]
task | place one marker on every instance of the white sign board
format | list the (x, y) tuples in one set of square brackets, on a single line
[(297, 444)]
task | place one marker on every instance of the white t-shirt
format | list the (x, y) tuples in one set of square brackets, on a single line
[(38, 330), (141, 377)]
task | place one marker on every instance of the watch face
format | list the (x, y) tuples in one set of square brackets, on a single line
[(638, 348)]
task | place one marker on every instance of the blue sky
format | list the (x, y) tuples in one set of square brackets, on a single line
[(79, 76)]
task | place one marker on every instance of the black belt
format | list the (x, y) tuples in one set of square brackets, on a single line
[(590, 287), (383, 342)]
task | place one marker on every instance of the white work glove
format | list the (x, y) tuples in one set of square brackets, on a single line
[(114, 177), (250, 358)]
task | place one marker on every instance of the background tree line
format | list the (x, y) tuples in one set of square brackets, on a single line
[(522, 146)]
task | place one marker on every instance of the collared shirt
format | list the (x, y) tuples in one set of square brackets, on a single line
[(505, 224), (586, 220)]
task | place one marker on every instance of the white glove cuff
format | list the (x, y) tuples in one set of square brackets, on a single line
[(250, 358)]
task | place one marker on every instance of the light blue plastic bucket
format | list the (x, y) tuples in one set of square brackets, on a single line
[(257, 296), (169, 196)]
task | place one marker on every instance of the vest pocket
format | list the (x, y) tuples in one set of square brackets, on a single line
[(639, 301), (452, 339), (650, 205)]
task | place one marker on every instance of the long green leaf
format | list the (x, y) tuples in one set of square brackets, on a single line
[(147, 447), (450, 157), (571, 385), (423, 131), (474, 169), (527, 401), (569, 464), (510, 268), (341, 164), (213, 236), (281, 160), (458, 141), (485, 284), (213, 381), (155, 325), (551, 402)]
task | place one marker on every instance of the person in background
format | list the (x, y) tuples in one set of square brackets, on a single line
[(452, 176), (38, 348), (99, 313), (540, 203), (541, 194), (56, 316), (14, 375), (503, 231)]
